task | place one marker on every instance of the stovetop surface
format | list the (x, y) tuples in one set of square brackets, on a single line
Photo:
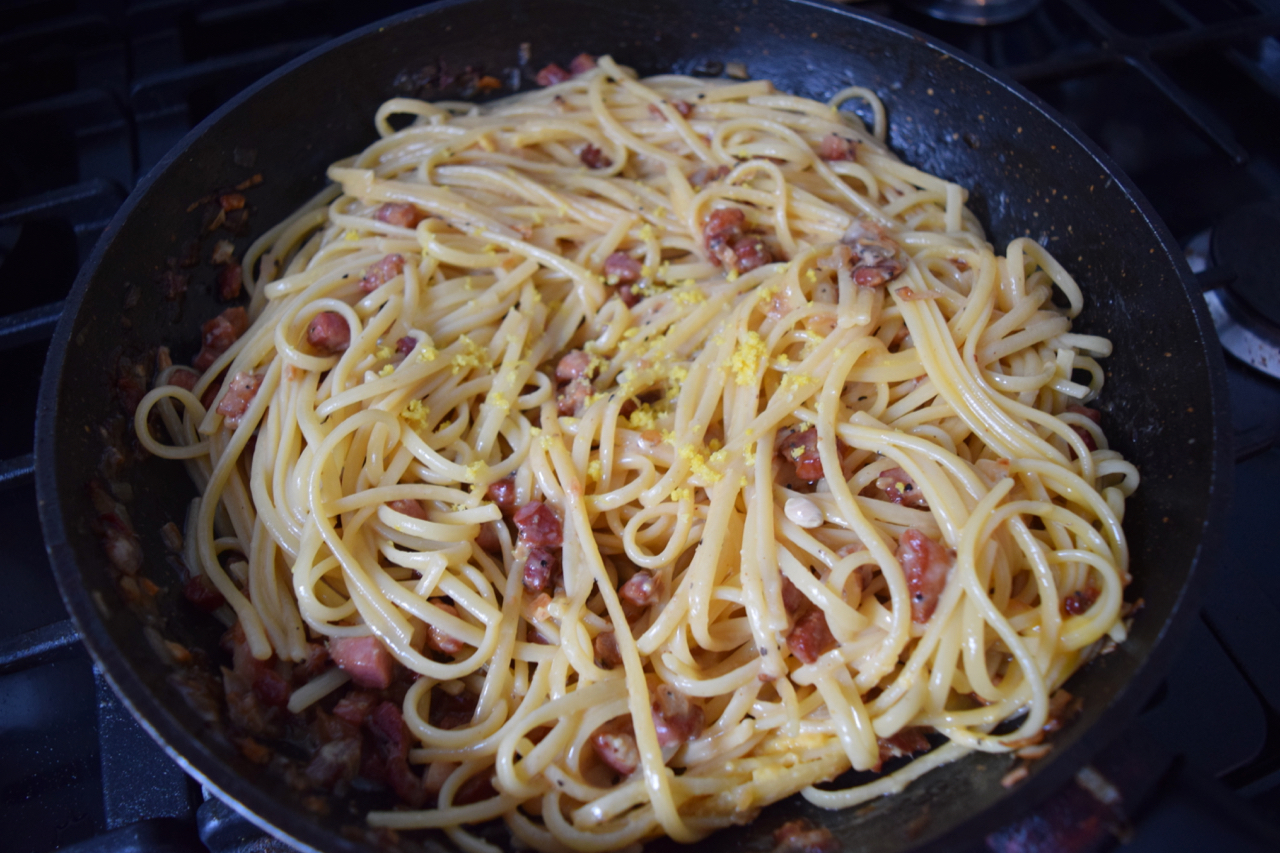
[(1183, 94)]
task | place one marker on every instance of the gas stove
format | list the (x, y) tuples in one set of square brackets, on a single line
[(1181, 93)]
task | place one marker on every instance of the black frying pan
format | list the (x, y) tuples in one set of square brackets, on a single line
[(1029, 174)]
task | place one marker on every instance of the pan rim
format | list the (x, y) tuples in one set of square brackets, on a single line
[(253, 801)]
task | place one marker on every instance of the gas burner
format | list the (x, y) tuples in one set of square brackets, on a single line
[(1246, 311), (981, 12), (1247, 337), (1245, 241)]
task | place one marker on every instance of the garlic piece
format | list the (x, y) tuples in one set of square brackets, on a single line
[(803, 512)]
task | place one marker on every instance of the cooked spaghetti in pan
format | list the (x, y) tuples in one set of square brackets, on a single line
[(621, 457)]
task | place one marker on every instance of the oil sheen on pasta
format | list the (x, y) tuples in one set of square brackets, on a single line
[(830, 436)]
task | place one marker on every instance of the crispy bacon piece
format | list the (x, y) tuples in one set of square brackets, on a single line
[(898, 487), (630, 296), (409, 507), (503, 493), (876, 276), (574, 396), (538, 525), (801, 836), (201, 592), (582, 63), (438, 773), (240, 393), (103, 501), (184, 378), (573, 372), (593, 158), (722, 226), (683, 107), (399, 214), (728, 243), (1081, 600), (252, 749), (201, 690), (235, 221), (621, 268), (677, 718), (615, 743), (540, 568), (835, 147), (391, 738), (405, 345), (475, 789), (574, 365), (1093, 415), (551, 75), (219, 334), (337, 760), (316, 662), (131, 383), (792, 598), (908, 741), (810, 637), (874, 252), (488, 539), (246, 710), (704, 175), (1090, 443), (120, 543), (230, 280), (926, 564), (382, 272), (224, 251), (355, 706), (450, 711), (606, 650), (329, 333), (254, 689), (748, 253), (641, 589), (173, 283), (365, 659), (801, 450), (542, 533), (1063, 708), (211, 392), (231, 201), (388, 726), (272, 688), (440, 640), (909, 294)]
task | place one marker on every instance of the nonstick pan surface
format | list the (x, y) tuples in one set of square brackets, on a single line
[(1028, 174)]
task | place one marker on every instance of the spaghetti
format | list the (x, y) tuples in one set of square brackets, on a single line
[(687, 446)]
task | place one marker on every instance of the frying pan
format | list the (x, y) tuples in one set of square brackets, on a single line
[(1028, 173)]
